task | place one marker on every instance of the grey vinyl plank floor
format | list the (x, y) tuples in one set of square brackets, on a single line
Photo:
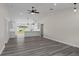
[(37, 46)]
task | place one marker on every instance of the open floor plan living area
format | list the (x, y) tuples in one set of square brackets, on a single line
[(39, 29)]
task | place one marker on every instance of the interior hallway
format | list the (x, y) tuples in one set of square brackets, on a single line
[(37, 46)]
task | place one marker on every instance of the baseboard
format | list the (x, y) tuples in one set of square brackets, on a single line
[(64, 42), (2, 49)]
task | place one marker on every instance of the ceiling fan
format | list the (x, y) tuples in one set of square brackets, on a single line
[(33, 11)]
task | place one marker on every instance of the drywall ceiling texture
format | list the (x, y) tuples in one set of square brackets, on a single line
[(19, 10), (63, 26)]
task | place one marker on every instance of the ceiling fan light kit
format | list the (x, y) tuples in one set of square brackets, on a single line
[(33, 11)]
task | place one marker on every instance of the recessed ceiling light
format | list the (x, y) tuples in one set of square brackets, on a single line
[(55, 4)]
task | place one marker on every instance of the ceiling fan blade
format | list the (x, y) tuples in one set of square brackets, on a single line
[(37, 12), (33, 10)]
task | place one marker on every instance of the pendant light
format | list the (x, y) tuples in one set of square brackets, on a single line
[(75, 9)]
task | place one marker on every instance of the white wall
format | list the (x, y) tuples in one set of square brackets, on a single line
[(3, 27), (62, 26)]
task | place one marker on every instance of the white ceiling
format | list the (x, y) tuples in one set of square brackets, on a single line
[(19, 10)]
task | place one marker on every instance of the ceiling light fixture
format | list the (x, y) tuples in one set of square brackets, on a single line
[(32, 13), (55, 4), (75, 9)]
